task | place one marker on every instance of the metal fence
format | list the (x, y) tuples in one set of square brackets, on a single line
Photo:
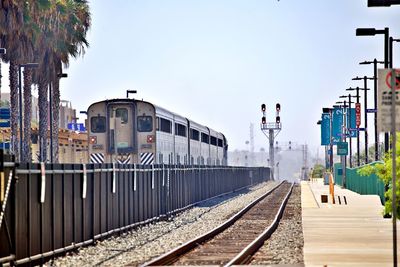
[(364, 185), (53, 208)]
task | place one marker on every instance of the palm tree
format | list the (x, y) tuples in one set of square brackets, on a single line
[(11, 19), (55, 30)]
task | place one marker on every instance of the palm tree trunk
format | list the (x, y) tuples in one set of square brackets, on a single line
[(1, 76), (14, 106), (26, 152), (43, 122), (56, 117)]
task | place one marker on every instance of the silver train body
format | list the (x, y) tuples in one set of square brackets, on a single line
[(133, 131)]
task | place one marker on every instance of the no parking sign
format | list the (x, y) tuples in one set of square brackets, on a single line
[(385, 99)]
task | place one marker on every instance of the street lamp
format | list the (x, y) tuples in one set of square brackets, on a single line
[(382, 3), (375, 62), (343, 160), (365, 89), (349, 96), (373, 32), (31, 66), (357, 89), (60, 75)]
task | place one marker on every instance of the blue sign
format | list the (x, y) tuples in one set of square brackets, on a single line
[(5, 124), (342, 149), (337, 123), (5, 117), (325, 129), (76, 127), (371, 110), (357, 129), (351, 122)]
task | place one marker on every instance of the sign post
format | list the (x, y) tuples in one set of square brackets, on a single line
[(388, 110)]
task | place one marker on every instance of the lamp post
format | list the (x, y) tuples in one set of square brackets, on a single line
[(329, 110), (60, 75), (373, 32), (349, 96), (343, 160), (365, 89), (27, 65), (382, 3), (375, 62), (357, 89)]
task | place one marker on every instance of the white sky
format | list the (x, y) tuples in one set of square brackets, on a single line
[(216, 61)]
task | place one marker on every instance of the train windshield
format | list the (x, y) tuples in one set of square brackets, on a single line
[(145, 124), (98, 124), (123, 114)]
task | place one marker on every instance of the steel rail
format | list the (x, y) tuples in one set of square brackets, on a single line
[(172, 255), (245, 255)]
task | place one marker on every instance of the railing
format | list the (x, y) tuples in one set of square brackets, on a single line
[(364, 185), (54, 208)]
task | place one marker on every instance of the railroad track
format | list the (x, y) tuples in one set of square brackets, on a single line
[(235, 241)]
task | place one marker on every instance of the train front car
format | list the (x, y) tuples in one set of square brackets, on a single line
[(121, 131)]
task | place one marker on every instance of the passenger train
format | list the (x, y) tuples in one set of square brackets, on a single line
[(135, 131)]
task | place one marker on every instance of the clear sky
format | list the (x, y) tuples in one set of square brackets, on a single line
[(216, 61)]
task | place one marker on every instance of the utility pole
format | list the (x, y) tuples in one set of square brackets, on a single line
[(252, 145), (271, 130)]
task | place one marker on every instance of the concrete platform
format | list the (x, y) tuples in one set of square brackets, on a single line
[(355, 234)]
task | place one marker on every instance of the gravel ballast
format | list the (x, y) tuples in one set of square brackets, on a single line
[(285, 245), (144, 243)]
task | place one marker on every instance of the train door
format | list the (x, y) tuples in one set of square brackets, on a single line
[(121, 134)]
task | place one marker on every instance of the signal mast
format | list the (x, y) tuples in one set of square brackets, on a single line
[(271, 131)]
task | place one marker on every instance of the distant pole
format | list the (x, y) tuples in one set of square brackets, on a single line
[(51, 121), (365, 120), (20, 112), (394, 213), (376, 107)]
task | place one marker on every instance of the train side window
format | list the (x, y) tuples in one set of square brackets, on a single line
[(194, 134), (165, 125), (145, 124), (205, 138), (123, 114), (220, 142), (98, 124), (180, 129), (213, 141)]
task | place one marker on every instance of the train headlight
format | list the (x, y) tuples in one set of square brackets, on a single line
[(93, 140), (150, 139)]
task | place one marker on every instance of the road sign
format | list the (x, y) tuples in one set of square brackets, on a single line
[(342, 149), (325, 129), (385, 100), (337, 123), (371, 110), (76, 127), (357, 129), (358, 114)]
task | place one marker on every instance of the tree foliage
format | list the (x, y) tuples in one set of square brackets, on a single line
[(384, 171), (318, 171)]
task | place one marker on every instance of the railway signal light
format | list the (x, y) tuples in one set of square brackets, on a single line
[(263, 108), (278, 107), (290, 145), (263, 120), (278, 119)]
